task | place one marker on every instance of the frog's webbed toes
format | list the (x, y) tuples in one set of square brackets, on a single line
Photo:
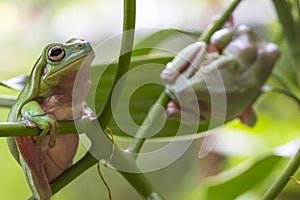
[(47, 124), (182, 114), (173, 110), (44, 130)]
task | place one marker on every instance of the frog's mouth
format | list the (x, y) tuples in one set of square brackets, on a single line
[(85, 60)]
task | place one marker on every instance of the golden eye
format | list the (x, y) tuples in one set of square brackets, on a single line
[(56, 53)]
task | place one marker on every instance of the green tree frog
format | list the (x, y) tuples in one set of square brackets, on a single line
[(244, 63), (46, 99)]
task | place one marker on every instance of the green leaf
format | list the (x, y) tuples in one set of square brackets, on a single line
[(230, 185), (161, 38), (288, 14), (16, 83), (284, 12)]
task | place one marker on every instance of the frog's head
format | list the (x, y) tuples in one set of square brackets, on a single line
[(63, 59)]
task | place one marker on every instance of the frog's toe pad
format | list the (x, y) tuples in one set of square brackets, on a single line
[(29, 123), (41, 137)]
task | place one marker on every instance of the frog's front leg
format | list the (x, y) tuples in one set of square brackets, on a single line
[(178, 72), (35, 116), (180, 67)]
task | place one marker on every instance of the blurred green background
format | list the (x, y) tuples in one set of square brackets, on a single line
[(27, 26)]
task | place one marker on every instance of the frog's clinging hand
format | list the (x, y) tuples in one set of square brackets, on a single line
[(46, 99), (242, 59)]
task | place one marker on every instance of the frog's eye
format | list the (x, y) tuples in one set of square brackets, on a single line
[(56, 53)]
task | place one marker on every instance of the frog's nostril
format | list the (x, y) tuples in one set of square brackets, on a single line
[(80, 45)]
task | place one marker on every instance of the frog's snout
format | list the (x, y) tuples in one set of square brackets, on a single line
[(82, 44)]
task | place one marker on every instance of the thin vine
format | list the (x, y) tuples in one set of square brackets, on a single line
[(284, 178)]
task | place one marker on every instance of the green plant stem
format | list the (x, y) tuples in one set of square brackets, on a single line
[(290, 27), (290, 24), (148, 123), (162, 101), (124, 58), (284, 91), (86, 162), (142, 185), (280, 183), (206, 35), (284, 13), (298, 19), (286, 83), (14, 129)]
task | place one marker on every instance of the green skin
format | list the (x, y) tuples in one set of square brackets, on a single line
[(46, 99), (242, 59)]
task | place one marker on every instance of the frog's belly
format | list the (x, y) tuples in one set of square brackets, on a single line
[(60, 157)]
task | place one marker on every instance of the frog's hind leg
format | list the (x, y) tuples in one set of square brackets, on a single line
[(32, 159)]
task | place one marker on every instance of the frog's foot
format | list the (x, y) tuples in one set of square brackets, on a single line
[(213, 50), (184, 115), (173, 110), (47, 124), (248, 117)]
